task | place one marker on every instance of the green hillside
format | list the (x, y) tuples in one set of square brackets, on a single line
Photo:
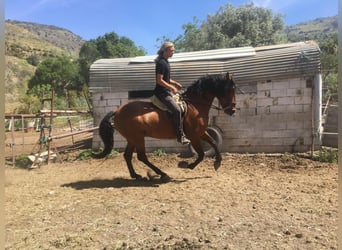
[(24, 39), (18, 72)]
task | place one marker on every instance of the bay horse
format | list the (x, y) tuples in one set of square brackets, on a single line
[(139, 119)]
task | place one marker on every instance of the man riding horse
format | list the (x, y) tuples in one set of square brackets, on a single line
[(139, 119), (167, 87)]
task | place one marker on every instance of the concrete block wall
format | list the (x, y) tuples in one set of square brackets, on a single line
[(277, 118), (102, 104)]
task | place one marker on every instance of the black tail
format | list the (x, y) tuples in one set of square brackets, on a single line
[(106, 131)]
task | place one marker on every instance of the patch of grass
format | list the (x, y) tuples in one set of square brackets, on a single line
[(159, 152), (22, 161), (84, 155), (113, 154), (286, 157), (327, 155), (87, 154)]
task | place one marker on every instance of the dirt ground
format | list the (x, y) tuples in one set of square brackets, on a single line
[(252, 202)]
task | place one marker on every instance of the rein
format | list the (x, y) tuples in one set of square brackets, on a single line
[(219, 108), (187, 100)]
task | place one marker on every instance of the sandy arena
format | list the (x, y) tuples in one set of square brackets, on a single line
[(251, 202)]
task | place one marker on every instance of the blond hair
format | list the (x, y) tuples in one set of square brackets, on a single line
[(164, 47)]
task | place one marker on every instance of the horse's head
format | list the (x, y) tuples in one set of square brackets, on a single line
[(208, 87), (226, 94)]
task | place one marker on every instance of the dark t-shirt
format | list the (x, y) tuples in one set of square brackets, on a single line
[(162, 68)]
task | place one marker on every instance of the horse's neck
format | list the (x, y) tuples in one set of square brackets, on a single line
[(203, 105)]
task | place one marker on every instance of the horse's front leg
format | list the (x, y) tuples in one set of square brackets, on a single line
[(200, 153), (218, 158)]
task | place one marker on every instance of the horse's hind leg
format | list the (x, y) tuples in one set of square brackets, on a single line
[(128, 158), (142, 157)]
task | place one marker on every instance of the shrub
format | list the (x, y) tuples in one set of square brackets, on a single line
[(22, 161), (159, 152), (327, 155)]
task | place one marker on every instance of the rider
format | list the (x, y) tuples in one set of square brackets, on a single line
[(166, 87)]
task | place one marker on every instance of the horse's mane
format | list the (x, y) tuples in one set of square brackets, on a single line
[(213, 84)]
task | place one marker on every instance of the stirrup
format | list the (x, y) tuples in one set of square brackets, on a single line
[(183, 140)]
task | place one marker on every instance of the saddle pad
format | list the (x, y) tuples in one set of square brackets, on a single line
[(155, 100)]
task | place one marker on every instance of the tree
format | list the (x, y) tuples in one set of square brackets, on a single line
[(109, 45), (59, 73), (29, 104), (33, 60), (246, 25), (329, 60), (68, 78)]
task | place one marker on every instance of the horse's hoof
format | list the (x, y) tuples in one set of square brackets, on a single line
[(138, 177), (183, 164), (165, 178), (217, 165), (191, 166), (150, 176)]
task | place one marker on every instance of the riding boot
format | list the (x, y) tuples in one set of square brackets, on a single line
[(181, 137)]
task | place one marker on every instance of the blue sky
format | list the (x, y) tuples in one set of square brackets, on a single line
[(144, 21)]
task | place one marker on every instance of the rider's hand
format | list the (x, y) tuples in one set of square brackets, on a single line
[(178, 85), (174, 90)]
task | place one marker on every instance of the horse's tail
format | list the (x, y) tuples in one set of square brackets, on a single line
[(106, 131)]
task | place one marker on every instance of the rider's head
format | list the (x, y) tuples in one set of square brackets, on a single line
[(166, 50)]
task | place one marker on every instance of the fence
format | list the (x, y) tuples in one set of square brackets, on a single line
[(60, 130)]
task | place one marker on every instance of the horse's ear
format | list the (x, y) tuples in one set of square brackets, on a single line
[(229, 76)]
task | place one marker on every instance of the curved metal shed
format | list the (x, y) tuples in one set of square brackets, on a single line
[(248, 65)]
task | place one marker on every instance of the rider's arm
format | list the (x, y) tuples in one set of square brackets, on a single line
[(175, 83), (160, 81)]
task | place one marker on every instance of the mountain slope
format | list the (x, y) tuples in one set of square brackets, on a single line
[(42, 40), (26, 45), (317, 29)]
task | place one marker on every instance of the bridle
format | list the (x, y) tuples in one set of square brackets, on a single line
[(229, 106)]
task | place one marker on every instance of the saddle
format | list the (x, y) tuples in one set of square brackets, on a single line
[(178, 99)]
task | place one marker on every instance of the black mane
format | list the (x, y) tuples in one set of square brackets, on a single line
[(213, 84)]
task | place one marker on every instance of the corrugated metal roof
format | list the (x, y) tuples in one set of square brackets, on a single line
[(248, 65), (201, 55)]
